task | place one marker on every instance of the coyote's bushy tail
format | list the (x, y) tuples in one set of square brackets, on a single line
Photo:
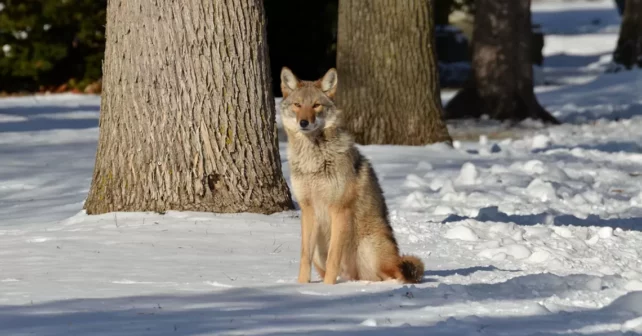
[(412, 269)]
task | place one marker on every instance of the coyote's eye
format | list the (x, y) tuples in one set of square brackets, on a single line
[(297, 105), (316, 106)]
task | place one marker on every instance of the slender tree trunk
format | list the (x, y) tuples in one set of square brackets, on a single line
[(389, 85), (502, 87), (629, 45), (187, 115)]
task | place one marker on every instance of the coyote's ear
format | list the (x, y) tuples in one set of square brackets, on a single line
[(328, 83), (289, 82)]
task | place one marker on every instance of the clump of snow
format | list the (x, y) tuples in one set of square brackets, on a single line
[(532, 167), (436, 184), (633, 326), (539, 256), (369, 323), (447, 187), (564, 232), (443, 210), (414, 181), (468, 174), (415, 199), (461, 232), (605, 233), (544, 191), (637, 200), (540, 141), (516, 251), (633, 285)]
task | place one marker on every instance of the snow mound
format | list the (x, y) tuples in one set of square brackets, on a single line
[(461, 232), (632, 326), (468, 174), (544, 191)]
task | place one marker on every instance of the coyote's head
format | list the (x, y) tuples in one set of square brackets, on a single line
[(308, 106)]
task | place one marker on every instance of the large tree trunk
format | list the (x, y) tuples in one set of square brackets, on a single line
[(629, 45), (389, 87), (187, 115), (502, 87)]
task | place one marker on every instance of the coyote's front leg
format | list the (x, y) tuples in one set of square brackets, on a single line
[(340, 219), (307, 228)]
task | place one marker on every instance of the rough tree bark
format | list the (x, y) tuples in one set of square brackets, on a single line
[(187, 115), (388, 80), (502, 83), (629, 45)]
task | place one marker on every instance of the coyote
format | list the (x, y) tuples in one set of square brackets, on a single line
[(344, 219)]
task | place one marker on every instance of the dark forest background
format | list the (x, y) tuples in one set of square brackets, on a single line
[(57, 46), (53, 45)]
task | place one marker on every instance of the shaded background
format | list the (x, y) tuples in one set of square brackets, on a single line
[(56, 46)]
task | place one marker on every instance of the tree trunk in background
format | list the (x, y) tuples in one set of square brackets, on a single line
[(502, 87), (187, 115), (629, 45), (388, 80), (620, 6)]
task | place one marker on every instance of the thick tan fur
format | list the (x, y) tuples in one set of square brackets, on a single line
[(344, 219)]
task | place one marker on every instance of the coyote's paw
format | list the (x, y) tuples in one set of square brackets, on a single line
[(303, 279)]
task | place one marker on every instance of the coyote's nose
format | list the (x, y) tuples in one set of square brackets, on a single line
[(304, 123)]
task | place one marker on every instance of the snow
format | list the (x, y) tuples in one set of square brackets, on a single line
[(529, 230), (467, 175), (461, 233)]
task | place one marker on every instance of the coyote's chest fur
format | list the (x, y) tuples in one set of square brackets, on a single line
[(321, 168)]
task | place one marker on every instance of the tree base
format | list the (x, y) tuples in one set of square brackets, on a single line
[(468, 103), (628, 52), (99, 208)]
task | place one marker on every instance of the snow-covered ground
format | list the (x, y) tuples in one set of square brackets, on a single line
[(525, 231)]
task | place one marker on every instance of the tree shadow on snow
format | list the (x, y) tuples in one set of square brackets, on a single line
[(294, 309), (577, 21), (48, 117), (607, 147), (492, 214), (564, 60), (615, 315), (628, 112), (595, 99), (462, 271)]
